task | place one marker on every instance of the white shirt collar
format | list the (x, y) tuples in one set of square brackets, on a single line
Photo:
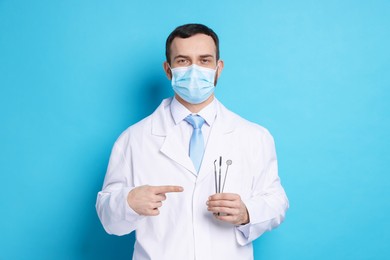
[(179, 112)]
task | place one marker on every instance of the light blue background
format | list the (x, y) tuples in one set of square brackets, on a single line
[(75, 74)]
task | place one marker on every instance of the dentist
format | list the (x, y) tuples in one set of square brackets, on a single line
[(161, 180)]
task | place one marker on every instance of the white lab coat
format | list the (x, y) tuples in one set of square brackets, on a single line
[(150, 153)]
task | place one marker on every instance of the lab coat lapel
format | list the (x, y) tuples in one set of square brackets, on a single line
[(173, 148), (164, 126)]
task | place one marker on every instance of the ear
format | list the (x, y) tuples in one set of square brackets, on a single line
[(220, 64), (167, 70)]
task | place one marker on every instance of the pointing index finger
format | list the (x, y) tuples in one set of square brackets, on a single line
[(167, 188)]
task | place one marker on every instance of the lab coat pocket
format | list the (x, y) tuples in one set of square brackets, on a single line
[(235, 179)]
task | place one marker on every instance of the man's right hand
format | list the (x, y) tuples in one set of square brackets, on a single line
[(145, 200)]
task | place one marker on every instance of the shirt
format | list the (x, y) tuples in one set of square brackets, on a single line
[(179, 112)]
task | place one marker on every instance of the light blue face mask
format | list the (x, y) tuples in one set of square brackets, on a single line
[(194, 83)]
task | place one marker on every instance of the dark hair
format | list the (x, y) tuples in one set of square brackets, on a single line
[(186, 31)]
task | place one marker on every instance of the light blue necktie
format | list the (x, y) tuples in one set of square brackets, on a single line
[(197, 141)]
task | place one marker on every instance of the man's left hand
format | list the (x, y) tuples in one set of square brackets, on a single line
[(228, 207)]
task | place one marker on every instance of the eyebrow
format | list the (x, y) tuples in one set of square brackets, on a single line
[(181, 56), (207, 56), (188, 57)]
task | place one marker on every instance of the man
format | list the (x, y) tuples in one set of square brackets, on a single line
[(194, 180)]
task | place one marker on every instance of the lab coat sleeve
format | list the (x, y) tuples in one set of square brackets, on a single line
[(268, 202), (116, 216)]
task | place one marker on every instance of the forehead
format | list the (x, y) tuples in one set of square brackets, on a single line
[(198, 44)]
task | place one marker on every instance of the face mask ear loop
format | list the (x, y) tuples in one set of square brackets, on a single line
[(169, 66), (216, 75)]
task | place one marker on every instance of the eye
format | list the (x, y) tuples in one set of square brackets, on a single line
[(205, 61), (181, 61)]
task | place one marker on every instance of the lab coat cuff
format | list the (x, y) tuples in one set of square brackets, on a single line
[(242, 234), (245, 233), (244, 229)]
